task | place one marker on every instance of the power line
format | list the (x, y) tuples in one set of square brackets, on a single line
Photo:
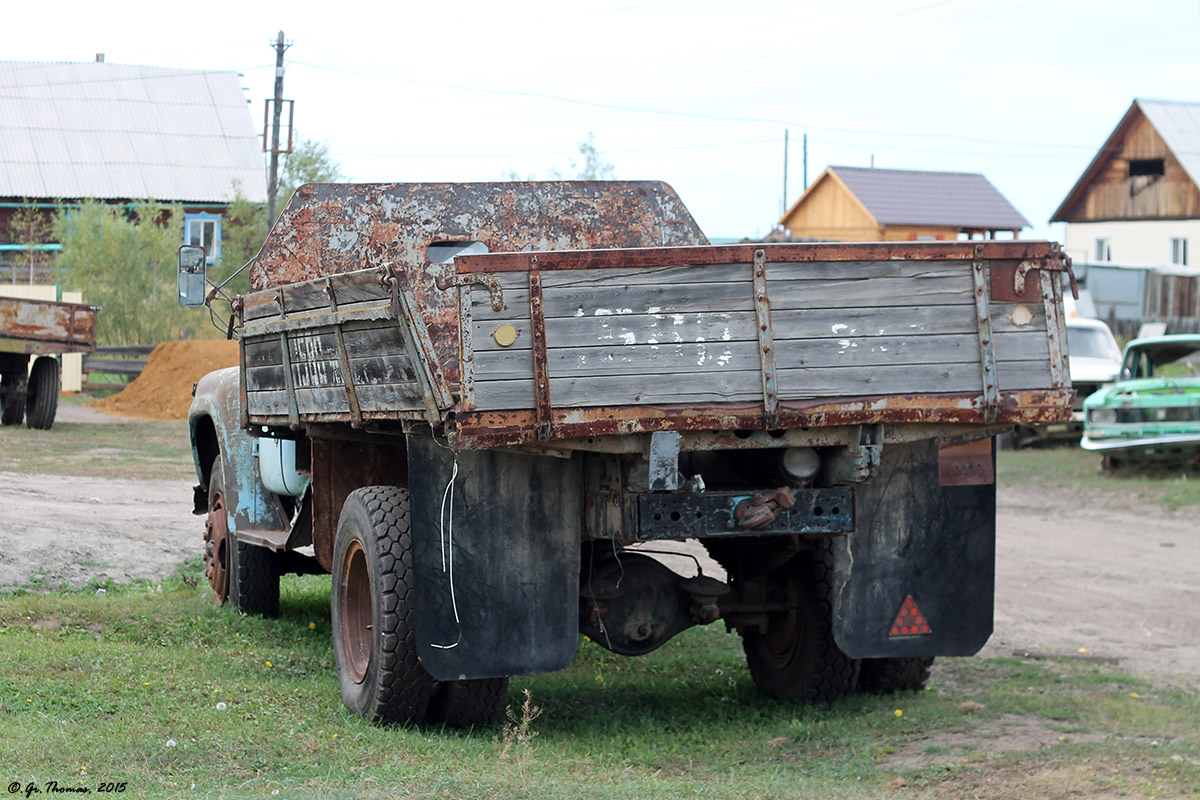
[(689, 114)]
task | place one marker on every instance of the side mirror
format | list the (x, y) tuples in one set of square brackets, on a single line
[(193, 275)]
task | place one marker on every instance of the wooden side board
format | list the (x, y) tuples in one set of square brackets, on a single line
[(383, 376), (614, 338), (690, 334)]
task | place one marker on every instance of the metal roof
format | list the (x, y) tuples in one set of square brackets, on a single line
[(943, 199), (115, 131)]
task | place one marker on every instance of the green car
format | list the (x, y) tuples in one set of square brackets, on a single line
[(1153, 411)]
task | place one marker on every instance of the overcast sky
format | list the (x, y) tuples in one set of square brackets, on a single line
[(695, 93)]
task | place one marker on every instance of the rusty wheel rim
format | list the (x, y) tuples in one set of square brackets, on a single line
[(354, 589), (216, 547)]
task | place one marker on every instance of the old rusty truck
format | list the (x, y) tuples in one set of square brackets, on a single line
[(40, 330), (484, 407)]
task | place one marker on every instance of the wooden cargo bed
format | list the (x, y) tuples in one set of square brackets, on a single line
[(563, 344)]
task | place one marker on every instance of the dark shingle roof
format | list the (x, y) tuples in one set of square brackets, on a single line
[(952, 199)]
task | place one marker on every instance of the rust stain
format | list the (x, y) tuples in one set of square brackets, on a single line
[(482, 429), (61, 327)]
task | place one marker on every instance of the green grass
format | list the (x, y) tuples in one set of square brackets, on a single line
[(126, 687), (125, 449), (1072, 467)]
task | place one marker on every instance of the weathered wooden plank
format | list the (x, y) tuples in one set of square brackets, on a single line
[(682, 298), (633, 329), (363, 339), (313, 402), (720, 273), (746, 386), (499, 365), (739, 356), (307, 320), (328, 372), (349, 288)]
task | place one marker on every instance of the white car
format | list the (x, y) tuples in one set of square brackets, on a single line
[(1095, 358), (1095, 361)]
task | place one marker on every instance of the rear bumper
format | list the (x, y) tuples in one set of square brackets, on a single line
[(1172, 440)]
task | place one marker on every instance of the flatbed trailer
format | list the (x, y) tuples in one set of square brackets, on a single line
[(38, 330), (475, 403)]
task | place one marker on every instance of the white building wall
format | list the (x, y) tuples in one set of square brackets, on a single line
[(1142, 242)]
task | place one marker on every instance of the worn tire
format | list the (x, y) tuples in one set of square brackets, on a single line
[(41, 397), (886, 675), (797, 658), (374, 626), (251, 573), (254, 579), (12, 397), (462, 704)]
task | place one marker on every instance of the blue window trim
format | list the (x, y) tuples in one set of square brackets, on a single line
[(214, 256)]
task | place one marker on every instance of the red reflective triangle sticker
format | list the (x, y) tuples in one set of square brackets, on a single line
[(909, 620)]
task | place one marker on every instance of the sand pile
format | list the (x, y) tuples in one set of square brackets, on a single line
[(164, 389)]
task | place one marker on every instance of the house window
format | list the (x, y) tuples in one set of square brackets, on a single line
[(1179, 254), (204, 230), (1102, 248), (1146, 166)]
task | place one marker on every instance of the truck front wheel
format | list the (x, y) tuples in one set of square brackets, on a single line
[(244, 574), (374, 628), (796, 658)]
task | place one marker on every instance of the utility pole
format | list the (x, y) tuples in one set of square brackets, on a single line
[(806, 162), (277, 110), (785, 172)]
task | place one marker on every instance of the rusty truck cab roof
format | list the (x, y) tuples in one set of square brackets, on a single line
[(330, 228)]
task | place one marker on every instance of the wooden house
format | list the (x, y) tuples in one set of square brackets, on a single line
[(120, 133), (856, 204), (1138, 201)]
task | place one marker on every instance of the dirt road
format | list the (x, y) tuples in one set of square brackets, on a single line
[(1077, 569)]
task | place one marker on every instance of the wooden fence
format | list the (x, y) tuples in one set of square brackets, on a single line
[(125, 360)]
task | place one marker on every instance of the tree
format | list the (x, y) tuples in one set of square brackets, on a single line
[(30, 227), (309, 162), (123, 259), (243, 232), (593, 168)]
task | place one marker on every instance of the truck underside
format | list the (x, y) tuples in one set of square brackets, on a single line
[(485, 450)]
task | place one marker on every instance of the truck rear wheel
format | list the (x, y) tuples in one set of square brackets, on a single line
[(12, 397), (461, 704), (244, 574), (885, 675), (374, 627), (796, 658), (41, 399)]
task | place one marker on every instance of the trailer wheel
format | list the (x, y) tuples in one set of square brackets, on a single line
[(796, 657), (374, 627), (244, 574), (41, 397), (886, 675), (12, 397), (462, 704)]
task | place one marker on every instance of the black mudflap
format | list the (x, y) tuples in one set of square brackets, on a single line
[(505, 599), (917, 577)]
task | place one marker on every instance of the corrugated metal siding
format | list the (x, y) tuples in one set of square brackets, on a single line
[(114, 131), (909, 197)]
